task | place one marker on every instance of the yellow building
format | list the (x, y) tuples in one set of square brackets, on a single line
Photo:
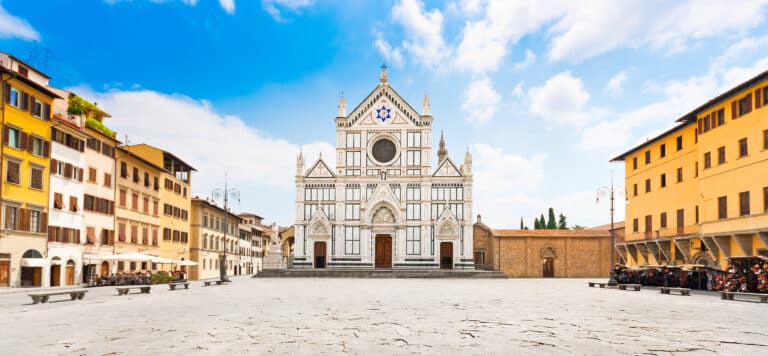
[(214, 232), (175, 200), (698, 193), (25, 152)]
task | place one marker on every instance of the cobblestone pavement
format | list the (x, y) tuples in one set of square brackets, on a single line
[(384, 316)]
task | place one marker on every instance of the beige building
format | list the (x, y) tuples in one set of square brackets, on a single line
[(543, 253), (214, 234)]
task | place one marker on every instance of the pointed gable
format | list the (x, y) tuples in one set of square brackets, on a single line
[(397, 111), (320, 170), (447, 169)]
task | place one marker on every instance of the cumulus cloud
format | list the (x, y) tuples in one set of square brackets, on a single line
[(530, 58), (213, 143), (615, 84), (15, 27), (390, 54), (562, 100), (480, 101), (277, 8), (423, 32), (228, 6)]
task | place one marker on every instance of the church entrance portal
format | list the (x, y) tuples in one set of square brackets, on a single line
[(383, 251), (320, 254), (446, 255)]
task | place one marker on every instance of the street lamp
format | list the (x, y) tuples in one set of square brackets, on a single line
[(611, 192), (226, 193)]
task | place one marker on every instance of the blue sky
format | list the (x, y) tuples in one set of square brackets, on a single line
[(543, 93)]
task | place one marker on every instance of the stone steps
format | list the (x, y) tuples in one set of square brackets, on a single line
[(377, 273)]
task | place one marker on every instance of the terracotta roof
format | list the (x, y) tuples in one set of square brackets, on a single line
[(616, 225), (551, 233)]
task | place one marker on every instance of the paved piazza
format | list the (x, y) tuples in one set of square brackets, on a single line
[(384, 316)]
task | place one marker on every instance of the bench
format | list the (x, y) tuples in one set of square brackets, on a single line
[(123, 290), (218, 283), (683, 291), (43, 297), (173, 285), (600, 284), (730, 295), (635, 287)]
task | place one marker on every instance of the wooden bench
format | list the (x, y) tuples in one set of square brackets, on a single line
[(730, 295), (683, 291), (43, 297), (218, 283), (123, 290), (173, 285), (599, 284), (635, 287)]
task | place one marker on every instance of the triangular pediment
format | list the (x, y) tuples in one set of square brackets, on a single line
[(382, 196), (319, 225), (320, 170), (447, 169), (384, 107), (447, 225)]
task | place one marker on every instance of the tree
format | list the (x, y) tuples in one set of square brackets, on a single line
[(561, 224), (551, 222), (542, 222), (522, 226)]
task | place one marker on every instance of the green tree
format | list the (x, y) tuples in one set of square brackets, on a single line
[(522, 226), (551, 222), (542, 222), (561, 224)]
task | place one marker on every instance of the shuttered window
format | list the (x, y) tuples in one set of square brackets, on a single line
[(722, 207), (744, 203), (743, 151)]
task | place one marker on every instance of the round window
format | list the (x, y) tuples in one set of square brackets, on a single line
[(384, 150)]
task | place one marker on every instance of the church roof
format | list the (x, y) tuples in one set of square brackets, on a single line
[(392, 95)]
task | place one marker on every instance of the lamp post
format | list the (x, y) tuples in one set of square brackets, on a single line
[(611, 191), (227, 193)]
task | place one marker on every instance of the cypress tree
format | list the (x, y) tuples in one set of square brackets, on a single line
[(522, 227), (561, 224), (542, 222), (551, 222)]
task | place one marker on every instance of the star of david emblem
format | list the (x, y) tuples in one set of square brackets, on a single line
[(382, 113)]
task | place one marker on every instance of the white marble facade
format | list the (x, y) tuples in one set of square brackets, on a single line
[(385, 205)]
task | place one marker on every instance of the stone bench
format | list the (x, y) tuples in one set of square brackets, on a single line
[(729, 295), (635, 287), (173, 285), (218, 283), (44, 296), (682, 291), (125, 289), (599, 284)]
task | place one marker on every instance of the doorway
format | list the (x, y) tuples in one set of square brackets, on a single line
[(320, 254), (31, 276), (105, 269), (70, 280), (549, 267), (446, 255), (55, 275), (383, 251), (5, 273)]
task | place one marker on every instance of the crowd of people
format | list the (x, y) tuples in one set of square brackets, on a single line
[(139, 278), (744, 274)]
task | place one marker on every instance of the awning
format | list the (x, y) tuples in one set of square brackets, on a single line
[(34, 262), (186, 263), (161, 260), (129, 257)]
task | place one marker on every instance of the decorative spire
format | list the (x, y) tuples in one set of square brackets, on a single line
[(468, 163), (442, 153), (425, 104), (300, 163), (383, 76), (342, 106)]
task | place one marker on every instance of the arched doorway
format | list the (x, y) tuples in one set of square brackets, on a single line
[(31, 276), (104, 269), (55, 272), (320, 251), (548, 262), (70, 273), (446, 255)]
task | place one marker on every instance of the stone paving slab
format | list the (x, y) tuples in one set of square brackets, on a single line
[(385, 316)]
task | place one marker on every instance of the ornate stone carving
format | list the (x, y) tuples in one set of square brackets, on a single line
[(319, 229), (384, 216), (447, 229)]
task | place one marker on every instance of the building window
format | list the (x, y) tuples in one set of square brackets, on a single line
[(352, 240), (37, 146), (663, 221), (73, 206), (12, 94), (122, 199), (741, 106), (135, 201), (663, 150), (696, 169), (743, 147), (413, 211), (679, 143), (352, 193), (107, 180), (663, 180), (14, 137), (634, 162), (634, 189), (414, 139), (697, 214), (765, 139), (13, 172), (413, 240), (353, 159), (352, 212), (413, 193), (413, 158), (648, 226), (721, 155), (647, 185), (136, 175), (123, 170), (722, 208), (720, 114), (91, 175), (707, 160), (121, 231), (647, 157), (11, 217), (146, 179), (744, 203), (765, 199), (680, 174), (635, 225), (353, 140), (680, 221), (58, 200)]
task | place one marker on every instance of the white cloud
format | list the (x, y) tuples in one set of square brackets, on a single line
[(228, 6), (480, 101), (518, 90), (423, 32), (261, 166), (15, 27), (530, 58), (276, 8), (562, 100), (615, 84), (391, 55)]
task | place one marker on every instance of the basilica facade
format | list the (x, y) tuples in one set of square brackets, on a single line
[(386, 204)]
